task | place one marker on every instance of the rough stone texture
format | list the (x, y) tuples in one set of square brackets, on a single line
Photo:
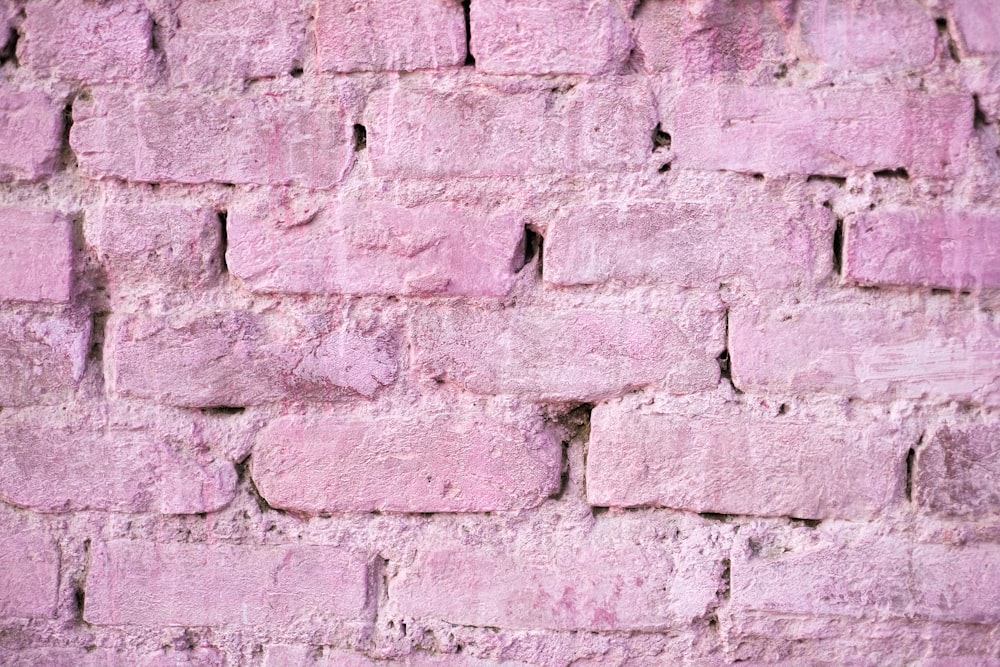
[(29, 574), (36, 262), (978, 22), (30, 129), (105, 657), (957, 471), (42, 357)]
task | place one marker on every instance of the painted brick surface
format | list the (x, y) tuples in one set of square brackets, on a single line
[(42, 357), (29, 575), (36, 264), (30, 127), (956, 471)]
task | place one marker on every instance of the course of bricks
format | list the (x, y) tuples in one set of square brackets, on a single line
[(504, 332)]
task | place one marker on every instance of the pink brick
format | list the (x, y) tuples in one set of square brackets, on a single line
[(461, 126), (140, 583), (36, 259), (31, 134), (919, 247), (957, 584), (163, 243), (353, 35), (29, 574), (549, 36), (471, 461), (232, 41), (279, 655), (42, 357), (870, 34), (978, 22), (762, 240), (596, 584), (866, 349), (88, 41), (198, 138), (239, 358), (743, 462), (570, 355), (375, 248), (784, 130), (75, 466), (957, 471), (106, 657)]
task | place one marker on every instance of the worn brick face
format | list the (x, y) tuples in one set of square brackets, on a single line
[(29, 574), (30, 128), (42, 357), (36, 264)]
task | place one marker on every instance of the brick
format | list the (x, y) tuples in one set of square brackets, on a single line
[(238, 358), (357, 36), (762, 240), (790, 131), (231, 41), (278, 655), (957, 471), (870, 34), (87, 41), (31, 134), (864, 349), (737, 461), (376, 248), (164, 243), (29, 574), (569, 355), (147, 584), (197, 138), (467, 461), (462, 126), (42, 357), (921, 248), (72, 466), (957, 584), (978, 22), (549, 36), (105, 657), (36, 260)]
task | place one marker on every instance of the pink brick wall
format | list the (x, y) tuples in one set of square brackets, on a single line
[(499, 333)]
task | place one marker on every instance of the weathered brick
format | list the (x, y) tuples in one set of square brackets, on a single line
[(232, 41), (863, 349), (978, 23), (106, 657), (147, 584), (549, 36), (164, 243), (461, 126), (570, 355), (31, 134), (868, 34), (957, 471), (742, 462), (376, 248), (784, 130), (29, 574), (699, 243), (90, 42), (470, 461), (353, 35), (36, 259), (278, 655), (917, 247), (68, 466), (42, 357), (238, 358), (268, 139), (957, 584)]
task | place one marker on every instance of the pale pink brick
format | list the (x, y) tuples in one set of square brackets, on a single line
[(147, 584), (570, 355), (376, 248), (461, 126), (868, 34), (42, 357), (549, 36), (743, 463), (30, 133), (957, 584), (71, 466), (360, 36), (198, 138), (471, 461), (867, 350), (29, 574), (761, 240), (106, 657), (957, 471), (227, 41), (978, 22), (925, 248), (92, 42), (593, 584), (323, 656), (36, 256), (237, 358), (831, 131)]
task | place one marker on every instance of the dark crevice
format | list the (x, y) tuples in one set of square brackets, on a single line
[(223, 217), (898, 172), (978, 117), (66, 154), (838, 246), (79, 592), (360, 138), (945, 34), (758, 177), (724, 360), (223, 410), (296, 72), (839, 181), (716, 516), (726, 583), (243, 474), (576, 422), (470, 60), (637, 8), (532, 246), (8, 54), (661, 139), (808, 523), (664, 168), (911, 456)]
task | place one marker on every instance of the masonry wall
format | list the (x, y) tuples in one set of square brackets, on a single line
[(518, 332)]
